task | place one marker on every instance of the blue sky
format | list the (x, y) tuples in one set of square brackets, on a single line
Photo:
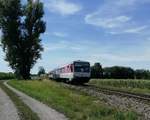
[(112, 32)]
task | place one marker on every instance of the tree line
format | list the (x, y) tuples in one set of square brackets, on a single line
[(6, 76), (118, 72)]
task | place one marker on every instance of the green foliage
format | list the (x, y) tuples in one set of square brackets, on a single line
[(127, 116), (131, 116), (74, 104), (9, 24), (6, 76), (41, 71), (96, 71), (21, 27), (142, 74), (119, 116), (118, 72)]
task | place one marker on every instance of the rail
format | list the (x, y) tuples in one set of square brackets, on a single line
[(108, 91), (121, 93)]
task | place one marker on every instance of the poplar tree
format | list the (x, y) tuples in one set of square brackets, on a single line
[(21, 27)]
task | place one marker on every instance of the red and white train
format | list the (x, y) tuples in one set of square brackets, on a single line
[(76, 72)]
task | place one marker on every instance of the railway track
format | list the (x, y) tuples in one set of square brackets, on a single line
[(108, 91), (120, 93)]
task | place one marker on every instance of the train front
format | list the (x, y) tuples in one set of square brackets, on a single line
[(82, 72)]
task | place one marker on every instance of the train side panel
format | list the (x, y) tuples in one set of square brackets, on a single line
[(67, 75)]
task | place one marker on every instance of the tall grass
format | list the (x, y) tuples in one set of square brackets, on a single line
[(136, 86), (75, 105)]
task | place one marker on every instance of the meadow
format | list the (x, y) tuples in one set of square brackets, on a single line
[(131, 85), (74, 104)]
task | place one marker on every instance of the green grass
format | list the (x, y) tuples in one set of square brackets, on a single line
[(136, 86), (75, 105), (24, 112)]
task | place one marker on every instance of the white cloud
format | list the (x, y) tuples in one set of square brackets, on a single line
[(63, 7), (0, 33), (76, 48), (3, 64), (0, 36), (106, 22), (102, 52), (64, 45), (148, 38), (136, 29), (56, 34), (123, 58), (46, 33), (107, 54), (118, 16), (126, 55), (59, 34), (131, 30)]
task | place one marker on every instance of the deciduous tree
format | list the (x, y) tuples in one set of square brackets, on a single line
[(41, 71), (21, 28), (96, 71)]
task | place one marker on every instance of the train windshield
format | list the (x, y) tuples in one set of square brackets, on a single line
[(81, 67)]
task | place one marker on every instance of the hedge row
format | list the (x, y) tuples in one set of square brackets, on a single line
[(5, 76)]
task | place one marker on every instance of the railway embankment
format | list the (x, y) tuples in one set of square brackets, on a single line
[(118, 99)]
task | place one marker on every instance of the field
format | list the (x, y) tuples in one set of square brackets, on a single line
[(136, 86), (74, 104)]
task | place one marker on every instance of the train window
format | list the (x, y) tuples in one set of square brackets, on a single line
[(82, 69), (71, 68)]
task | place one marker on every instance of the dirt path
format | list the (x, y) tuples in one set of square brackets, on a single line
[(7, 108), (44, 112)]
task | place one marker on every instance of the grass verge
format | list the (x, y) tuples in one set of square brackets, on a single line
[(24, 112), (74, 104), (134, 86)]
